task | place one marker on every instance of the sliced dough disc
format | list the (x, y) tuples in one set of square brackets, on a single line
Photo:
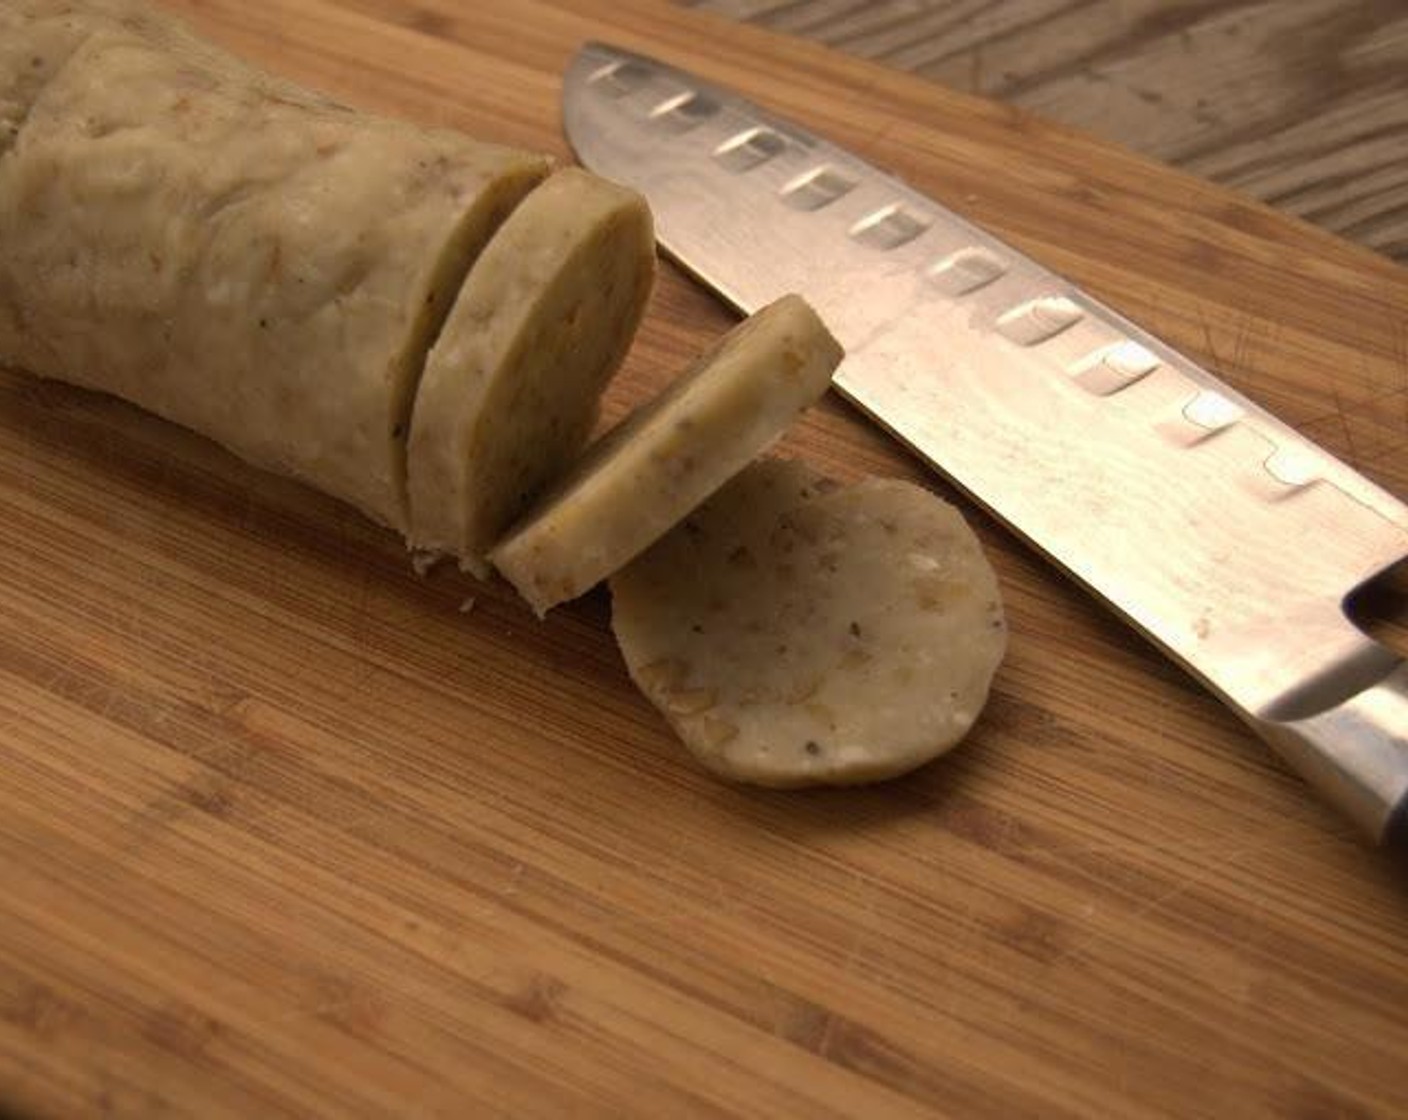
[(511, 389), (671, 454), (797, 634)]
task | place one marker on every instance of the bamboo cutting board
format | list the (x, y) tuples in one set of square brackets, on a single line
[(284, 830)]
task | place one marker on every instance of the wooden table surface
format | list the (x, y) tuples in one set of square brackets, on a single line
[(1300, 103), (285, 832)]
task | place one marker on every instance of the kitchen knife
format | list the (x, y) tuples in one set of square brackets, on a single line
[(1226, 537)]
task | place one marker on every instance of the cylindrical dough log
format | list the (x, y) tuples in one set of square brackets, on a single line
[(235, 254), (510, 393)]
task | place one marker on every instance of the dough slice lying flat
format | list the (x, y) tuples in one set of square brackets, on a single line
[(670, 455), (797, 634), (510, 393), (237, 255)]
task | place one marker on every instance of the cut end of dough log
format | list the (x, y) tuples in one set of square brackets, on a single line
[(794, 633), (511, 390), (670, 455)]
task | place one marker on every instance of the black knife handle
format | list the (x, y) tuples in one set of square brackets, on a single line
[(1395, 835)]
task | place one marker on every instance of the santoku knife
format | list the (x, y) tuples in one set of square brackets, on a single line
[(1217, 530)]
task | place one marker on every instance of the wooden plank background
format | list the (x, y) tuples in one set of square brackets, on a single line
[(1300, 103)]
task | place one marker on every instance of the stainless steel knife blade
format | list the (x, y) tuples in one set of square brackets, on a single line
[(1221, 533)]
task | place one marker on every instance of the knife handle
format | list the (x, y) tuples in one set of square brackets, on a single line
[(1356, 754)]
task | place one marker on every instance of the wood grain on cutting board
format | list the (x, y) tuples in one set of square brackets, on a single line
[(285, 830)]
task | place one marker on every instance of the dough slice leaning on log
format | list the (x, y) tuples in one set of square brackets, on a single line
[(237, 255), (511, 390), (795, 633), (668, 456)]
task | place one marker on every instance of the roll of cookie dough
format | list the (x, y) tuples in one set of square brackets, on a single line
[(235, 254)]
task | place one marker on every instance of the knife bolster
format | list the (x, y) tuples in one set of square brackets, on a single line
[(1356, 754)]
